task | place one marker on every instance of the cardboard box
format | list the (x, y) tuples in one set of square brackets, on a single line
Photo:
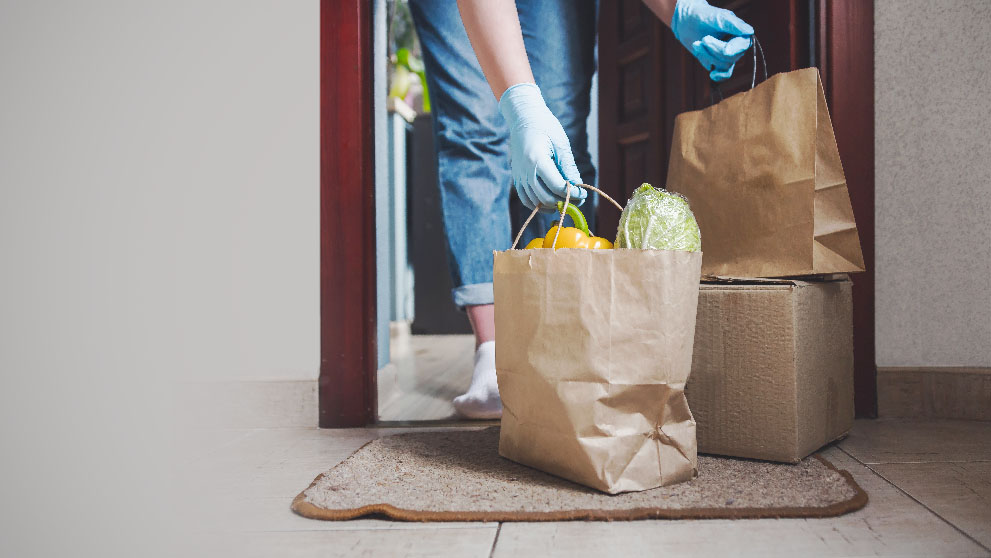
[(772, 370)]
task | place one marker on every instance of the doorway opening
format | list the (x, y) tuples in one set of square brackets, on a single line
[(425, 346), (394, 347)]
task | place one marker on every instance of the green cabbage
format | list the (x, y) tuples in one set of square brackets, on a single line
[(656, 219)]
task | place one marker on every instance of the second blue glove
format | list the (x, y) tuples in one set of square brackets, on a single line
[(716, 37)]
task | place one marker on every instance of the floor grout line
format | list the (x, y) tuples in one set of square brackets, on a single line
[(349, 529), (923, 462), (917, 501), (343, 530), (495, 540)]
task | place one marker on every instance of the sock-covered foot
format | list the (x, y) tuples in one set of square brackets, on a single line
[(481, 401)]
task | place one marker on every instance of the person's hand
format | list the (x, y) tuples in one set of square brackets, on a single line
[(540, 152), (716, 37)]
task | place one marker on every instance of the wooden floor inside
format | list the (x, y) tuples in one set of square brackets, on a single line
[(425, 373)]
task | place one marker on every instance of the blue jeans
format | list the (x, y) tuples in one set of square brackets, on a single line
[(471, 136)]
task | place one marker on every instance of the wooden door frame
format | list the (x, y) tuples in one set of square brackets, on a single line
[(348, 394), (845, 57), (347, 386)]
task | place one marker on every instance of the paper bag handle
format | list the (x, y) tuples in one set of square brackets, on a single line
[(560, 223), (753, 80)]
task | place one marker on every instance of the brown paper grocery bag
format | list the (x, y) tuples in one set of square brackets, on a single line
[(763, 174), (593, 350)]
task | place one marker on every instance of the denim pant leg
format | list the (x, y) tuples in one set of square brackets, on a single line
[(560, 42), (471, 139)]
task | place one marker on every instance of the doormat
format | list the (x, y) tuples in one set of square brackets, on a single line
[(459, 476)]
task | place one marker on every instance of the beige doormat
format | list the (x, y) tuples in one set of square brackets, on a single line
[(459, 476)]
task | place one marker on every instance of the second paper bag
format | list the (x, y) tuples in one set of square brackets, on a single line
[(763, 174), (593, 350)]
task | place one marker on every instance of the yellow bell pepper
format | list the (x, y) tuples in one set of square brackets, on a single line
[(598, 243), (571, 237)]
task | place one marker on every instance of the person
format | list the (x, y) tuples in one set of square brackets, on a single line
[(509, 83)]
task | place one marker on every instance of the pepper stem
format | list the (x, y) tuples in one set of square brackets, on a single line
[(576, 215)]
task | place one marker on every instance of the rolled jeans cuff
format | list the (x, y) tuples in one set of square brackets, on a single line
[(473, 295)]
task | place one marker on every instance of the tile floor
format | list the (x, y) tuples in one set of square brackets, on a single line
[(929, 485)]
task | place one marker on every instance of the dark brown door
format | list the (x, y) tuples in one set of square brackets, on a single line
[(646, 78)]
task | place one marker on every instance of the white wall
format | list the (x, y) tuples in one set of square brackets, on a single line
[(933, 182), (159, 221)]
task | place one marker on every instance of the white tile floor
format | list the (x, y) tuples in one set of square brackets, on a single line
[(929, 485)]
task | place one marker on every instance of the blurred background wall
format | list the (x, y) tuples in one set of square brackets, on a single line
[(933, 182)]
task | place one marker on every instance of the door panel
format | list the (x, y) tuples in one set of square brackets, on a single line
[(630, 62), (646, 78)]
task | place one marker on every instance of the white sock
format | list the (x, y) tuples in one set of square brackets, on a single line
[(481, 401)]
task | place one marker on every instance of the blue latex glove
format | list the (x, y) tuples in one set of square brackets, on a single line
[(716, 37), (540, 152)]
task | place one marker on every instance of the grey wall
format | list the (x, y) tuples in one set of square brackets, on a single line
[(933, 180)]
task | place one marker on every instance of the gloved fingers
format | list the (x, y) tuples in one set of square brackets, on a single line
[(578, 196), (727, 22), (555, 183), (728, 52), (564, 158), (536, 186), (525, 198), (552, 208), (705, 57), (531, 188), (572, 176), (720, 68), (721, 75), (541, 189), (523, 189)]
